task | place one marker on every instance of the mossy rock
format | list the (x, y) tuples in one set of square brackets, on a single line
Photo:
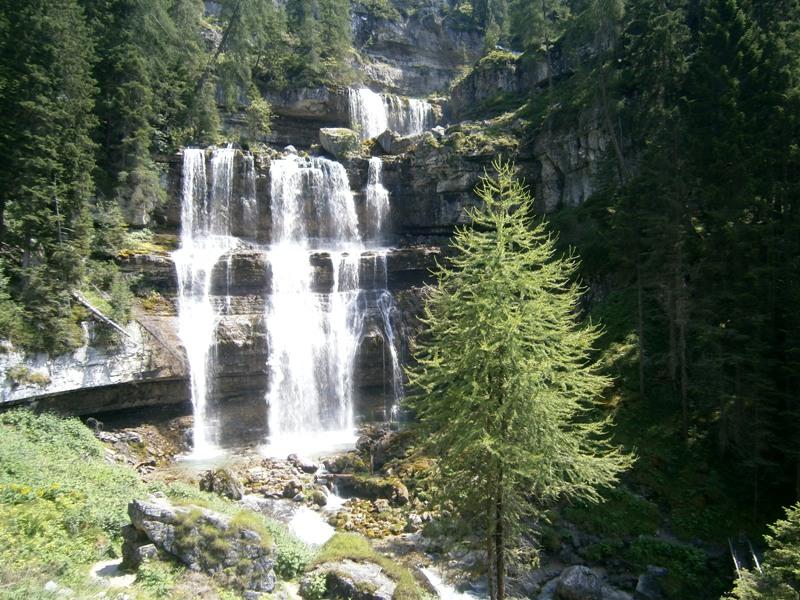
[(339, 141)]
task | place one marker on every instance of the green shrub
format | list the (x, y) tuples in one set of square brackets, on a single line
[(686, 565), (158, 577), (22, 375), (622, 514), (382, 9), (316, 587)]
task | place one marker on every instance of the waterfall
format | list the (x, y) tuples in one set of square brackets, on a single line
[(249, 201), (408, 116), (322, 298), (377, 200), (205, 215), (378, 208), (372, 113), (387, 311), (313, 337), (367, 113)]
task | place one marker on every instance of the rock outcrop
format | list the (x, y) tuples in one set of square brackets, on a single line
[(413, 50), (204, 541), (339, 141), (351, 580)]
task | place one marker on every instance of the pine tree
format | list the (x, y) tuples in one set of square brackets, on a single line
[(504, 382), (779, 575), (46, 98)]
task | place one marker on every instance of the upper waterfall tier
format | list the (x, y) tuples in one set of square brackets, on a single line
[(311, 203), (372, 113)]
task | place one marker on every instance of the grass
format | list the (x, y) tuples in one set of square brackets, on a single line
[(351, 546), (62, 507), (61, 504)]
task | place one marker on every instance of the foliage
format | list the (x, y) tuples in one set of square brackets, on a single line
[(382, 9), (620, 514), (686, 565), (259, 115), (158, 577), (503, 385), (46, 98), (22, 375), (315, 587)]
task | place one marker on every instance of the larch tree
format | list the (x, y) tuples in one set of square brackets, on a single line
[(505, 388)]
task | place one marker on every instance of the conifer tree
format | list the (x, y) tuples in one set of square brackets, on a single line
[(504, 382), (778, 576), (46, 99)]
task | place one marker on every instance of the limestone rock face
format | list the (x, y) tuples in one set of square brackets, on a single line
[(570, 160), (498, 74), (352, 580), (413, 54), (142, 356), (339, 141), (204, 541)]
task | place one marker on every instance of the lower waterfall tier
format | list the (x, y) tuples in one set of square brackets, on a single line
[(240, 292)]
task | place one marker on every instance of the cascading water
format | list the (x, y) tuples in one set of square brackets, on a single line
[(372, 113), (377, 200), (367, 113), (313, 337), (205, 216), (315, 316), (378, 207), (408, 116)]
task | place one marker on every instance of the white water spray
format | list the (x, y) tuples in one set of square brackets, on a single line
[(313, 337), (372, 113), (377, 200), (205, 215)]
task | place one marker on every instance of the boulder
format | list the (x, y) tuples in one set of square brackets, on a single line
[(373, 488), (203, 540), (392, 142), (306, 465), (292, 488), (579, 583), (136, 548), (339, 141), (222, 482), (648, 587), (351, 580)]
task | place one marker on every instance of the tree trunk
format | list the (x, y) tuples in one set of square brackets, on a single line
[(499, 546), (223, 42), (622, 168), (640, 322)]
